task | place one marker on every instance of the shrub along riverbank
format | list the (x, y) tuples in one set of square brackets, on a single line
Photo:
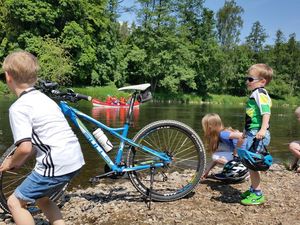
[(102, 92)]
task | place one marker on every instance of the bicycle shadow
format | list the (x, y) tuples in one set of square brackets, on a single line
[(115, 194), (228, 193), (119, 191), (106, 191)]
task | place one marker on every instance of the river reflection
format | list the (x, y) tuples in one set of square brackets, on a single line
[(284, 127), (114, 117)]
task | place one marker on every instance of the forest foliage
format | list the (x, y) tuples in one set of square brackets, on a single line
[(179, 46)]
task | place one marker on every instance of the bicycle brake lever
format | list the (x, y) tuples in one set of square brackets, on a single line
[(70, 91)]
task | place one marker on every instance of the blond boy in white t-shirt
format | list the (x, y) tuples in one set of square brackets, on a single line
[(39, 127)]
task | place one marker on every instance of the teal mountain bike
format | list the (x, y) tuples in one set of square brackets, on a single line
[(164, 160)]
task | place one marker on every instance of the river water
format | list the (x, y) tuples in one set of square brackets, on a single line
[(284, 127)]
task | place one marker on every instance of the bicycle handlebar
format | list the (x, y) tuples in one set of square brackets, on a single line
[(70, 96), (51, 90), (84, 97)]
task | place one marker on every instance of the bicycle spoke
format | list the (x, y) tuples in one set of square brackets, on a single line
[(10, 172), (152, 144), (159, 145), (178, 143), (182, 149), (11, 179), (169, 134), (174, 180), (175, 138), (9, 183)]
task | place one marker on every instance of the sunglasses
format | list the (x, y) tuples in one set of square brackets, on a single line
[(251, 79)]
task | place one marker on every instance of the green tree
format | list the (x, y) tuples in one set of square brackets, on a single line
[(293, 49), (279, 55), (257, 37), (167, 62), (189, 15), (3, 39), (229, 23), (124, 31), (208, 55), (237, 61), (208, 25), (55, 62), (177, 46), (81, 27), (36, 17), (279, 58), (2, 19)]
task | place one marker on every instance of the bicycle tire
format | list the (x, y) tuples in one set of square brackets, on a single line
[(9, 180), (182, 175)]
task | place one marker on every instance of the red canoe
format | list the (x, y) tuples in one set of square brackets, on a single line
[(98, 103)]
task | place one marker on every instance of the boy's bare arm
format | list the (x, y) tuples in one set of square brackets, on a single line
[(21, 154), (265, 123), (236, 135), (240, 137)]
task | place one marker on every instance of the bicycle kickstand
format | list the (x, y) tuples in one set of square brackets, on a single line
[(152, 168)]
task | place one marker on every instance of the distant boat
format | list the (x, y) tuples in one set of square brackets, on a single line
[(98, 103)]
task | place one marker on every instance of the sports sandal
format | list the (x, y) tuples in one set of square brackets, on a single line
[(245, 194), (253, 199)]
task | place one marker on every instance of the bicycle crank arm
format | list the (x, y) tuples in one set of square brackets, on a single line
[(101, 176)]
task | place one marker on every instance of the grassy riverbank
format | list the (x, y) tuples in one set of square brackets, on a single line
[(102, 92)]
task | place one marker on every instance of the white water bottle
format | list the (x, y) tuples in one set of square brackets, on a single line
[(103, 140)]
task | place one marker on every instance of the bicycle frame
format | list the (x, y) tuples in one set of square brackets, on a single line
[(115, 166)]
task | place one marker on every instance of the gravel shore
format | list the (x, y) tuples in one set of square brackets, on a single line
[(213, 202)]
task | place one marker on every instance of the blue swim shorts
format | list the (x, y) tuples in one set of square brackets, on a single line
[(36, 186)]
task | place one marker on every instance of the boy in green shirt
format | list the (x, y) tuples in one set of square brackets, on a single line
[(258, 111)]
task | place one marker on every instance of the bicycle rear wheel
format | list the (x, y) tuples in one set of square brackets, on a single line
[(9, 181), (182, 175)]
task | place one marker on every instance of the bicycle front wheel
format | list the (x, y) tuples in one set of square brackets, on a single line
[(9, 181), (178, 178)]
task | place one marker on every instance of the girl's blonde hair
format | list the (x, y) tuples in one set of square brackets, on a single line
[(212, 125), (22, 66)]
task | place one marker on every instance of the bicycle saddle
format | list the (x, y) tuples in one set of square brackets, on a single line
[(140, 87)]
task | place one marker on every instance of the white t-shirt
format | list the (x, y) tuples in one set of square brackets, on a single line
[(37, 118)]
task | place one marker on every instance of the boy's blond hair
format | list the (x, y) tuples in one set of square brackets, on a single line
[(22, 66), (262, 71)]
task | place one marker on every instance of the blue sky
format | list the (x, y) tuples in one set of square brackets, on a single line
[(272, 14)]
